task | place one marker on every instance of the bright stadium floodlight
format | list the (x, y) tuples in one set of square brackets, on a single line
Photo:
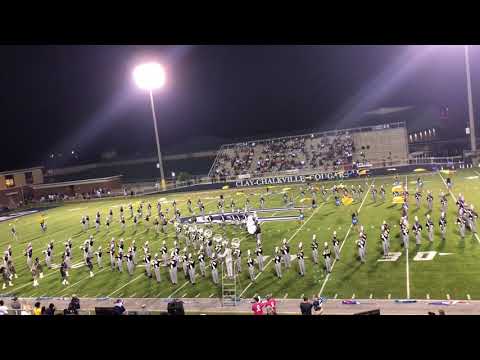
[(151, 76)]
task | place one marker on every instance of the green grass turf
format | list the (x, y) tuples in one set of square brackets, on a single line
[(456, 275)]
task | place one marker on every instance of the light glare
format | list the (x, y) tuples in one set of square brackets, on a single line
[(149, 76)]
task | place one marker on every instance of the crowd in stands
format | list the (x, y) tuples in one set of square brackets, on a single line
[(302, 152)]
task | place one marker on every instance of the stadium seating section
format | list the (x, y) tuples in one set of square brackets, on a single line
[(381, 145)]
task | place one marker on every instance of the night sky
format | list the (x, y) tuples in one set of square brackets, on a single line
[(55, 99)]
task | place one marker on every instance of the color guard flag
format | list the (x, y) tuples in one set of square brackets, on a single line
[(397, 189), (397, 200), (346, 200)]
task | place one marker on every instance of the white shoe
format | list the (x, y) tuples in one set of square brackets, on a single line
[(66, 283), (91, 274), (41, 275), (66, 272), (16, 276), (10, 283), (4, 286)]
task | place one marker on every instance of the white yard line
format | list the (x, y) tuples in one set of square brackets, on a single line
[(344, 240), (455, 199), (408, 276), (180, 288), (69, 286), (288, 241), (128, 283), (407, 262)]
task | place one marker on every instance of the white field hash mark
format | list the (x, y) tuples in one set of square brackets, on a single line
[(343, 242)]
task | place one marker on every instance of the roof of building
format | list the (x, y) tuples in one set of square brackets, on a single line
[(10, 172), (76, 182)]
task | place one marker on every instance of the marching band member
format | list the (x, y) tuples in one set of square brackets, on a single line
[(417, 230), (64, 272), (382, 192), (147, 259), (327, 258), (461, 226), (251, 266), (213, 266), (237, 253), (336, 246), (99, 256), (300, 259), (361, 249), (418, 196), (201, 261), (156, 268), (430, 228), (48, 257), (191, 268), (29, 255), (285, 249), (385, 243), (129, 258), (259, 253), (90, 265), (443, 225), (278, 263), (315, 249), (430, 200), (173, 269)]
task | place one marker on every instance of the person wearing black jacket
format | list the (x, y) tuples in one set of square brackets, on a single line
[(306, 306), (118, 309)]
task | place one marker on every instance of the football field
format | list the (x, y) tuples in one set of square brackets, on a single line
[(447, 269)]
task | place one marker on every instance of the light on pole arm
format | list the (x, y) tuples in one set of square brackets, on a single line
[(151, 76)]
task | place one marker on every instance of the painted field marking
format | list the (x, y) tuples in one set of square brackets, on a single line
[(371, 296), (198, 295), (336, 295), (184, 295), (180, 288), (428, 296), (353, 296), (448, 296), (211, 295), (133, 295), (288, 241), (343, 242), (301, 296), (389, 296), (128, 283), (87, 277), (286, 295), (454, 198), (468, 297)]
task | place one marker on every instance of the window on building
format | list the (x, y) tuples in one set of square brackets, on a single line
[(9, 181), (29, 178)]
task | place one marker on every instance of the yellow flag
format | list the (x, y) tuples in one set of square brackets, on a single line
[(397, 200), (363, 172), (397, 188), (346, 200)]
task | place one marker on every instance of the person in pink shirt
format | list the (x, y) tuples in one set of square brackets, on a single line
[(257, 306)]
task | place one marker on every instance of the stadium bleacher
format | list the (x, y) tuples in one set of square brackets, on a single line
[(325, 151)]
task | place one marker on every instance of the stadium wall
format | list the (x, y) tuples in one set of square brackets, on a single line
[(297, 179)]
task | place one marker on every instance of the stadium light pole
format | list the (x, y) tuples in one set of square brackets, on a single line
[(473, 143), (150, 77)]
